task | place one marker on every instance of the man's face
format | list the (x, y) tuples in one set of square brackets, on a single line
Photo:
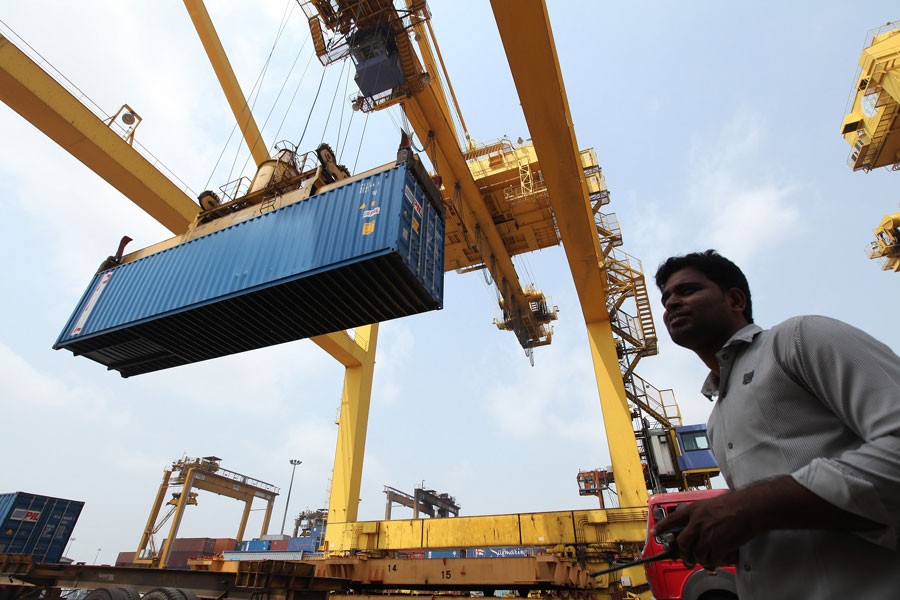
[(699, 315)]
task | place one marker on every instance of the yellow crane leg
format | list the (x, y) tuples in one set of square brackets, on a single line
[(528, 41), (267, 517), (154, 514), (176, 519), (244, 517), (30, 91), (351, 444), (220, 64), (626, 464)]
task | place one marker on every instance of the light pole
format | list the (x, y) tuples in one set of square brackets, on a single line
[(294, 463), (69, 547), (96, 556)]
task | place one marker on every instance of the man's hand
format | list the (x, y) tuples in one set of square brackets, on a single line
[(712, 530)]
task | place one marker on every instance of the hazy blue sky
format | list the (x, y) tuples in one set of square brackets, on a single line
[(716, 123)]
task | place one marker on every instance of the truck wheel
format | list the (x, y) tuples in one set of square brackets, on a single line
[(113, 593), (169, 594), (718, 595), (130, 593)]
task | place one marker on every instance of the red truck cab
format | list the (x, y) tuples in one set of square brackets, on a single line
[(670, 579)]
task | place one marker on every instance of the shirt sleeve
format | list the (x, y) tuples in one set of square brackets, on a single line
[(858, 378)]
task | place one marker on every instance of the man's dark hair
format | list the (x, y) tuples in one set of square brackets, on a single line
[(716, 267)]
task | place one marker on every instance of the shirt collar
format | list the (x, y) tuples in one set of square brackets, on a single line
[(743, 336)]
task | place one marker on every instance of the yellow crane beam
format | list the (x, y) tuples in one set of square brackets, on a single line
[(531, 52), (219, 60), (42, 101), (202, 474), (430, 116)]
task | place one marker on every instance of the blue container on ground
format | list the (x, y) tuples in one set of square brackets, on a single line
[(305, 543), (363, 252), (258, 546), (37, 525)]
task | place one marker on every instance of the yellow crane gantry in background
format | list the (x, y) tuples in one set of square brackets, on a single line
[(502, 200), (872, 127), (203, 474)]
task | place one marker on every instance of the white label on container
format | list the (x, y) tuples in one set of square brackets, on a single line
[(20, 514), (91, 303)]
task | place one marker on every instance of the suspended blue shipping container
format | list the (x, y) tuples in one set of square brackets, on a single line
[(37, 525), (363, 252)]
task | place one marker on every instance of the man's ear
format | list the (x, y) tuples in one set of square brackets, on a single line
[(737, 300)]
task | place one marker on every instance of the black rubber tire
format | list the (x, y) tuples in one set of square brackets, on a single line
[(167, 593), (111, 593), (130, 593), (718, 595)]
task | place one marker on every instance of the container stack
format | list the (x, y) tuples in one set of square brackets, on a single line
[(37, 525)]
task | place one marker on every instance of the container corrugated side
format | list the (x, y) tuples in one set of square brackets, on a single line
[(304, 543), (364, 252), (37, 525), (258, 546)]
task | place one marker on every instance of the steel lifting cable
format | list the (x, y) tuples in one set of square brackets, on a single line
[(337, 145), (280, 91), (457, 204), (257, 87), (361, 137), (311, 108), (296, 90), (488, 272), (347, 135), (331, 108)]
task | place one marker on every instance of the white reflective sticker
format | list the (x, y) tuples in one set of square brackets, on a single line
[(91, 303)]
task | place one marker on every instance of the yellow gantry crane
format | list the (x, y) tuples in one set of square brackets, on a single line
[(502, 199), (872, 127), (205, 474)]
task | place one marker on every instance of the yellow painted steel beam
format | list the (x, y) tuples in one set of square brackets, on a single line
[(528, 41), (342, 348), (597, 527), (42, 101), (245, 515), (428, 114), (220, 64), (181, 504), (154, 514), (346, 477)]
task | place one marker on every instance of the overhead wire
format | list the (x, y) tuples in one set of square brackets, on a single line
[(333, 100), (361, 137), (296, 90), (311, 109), (341, 118), (257, 87), (278, 96), (346, 135)]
